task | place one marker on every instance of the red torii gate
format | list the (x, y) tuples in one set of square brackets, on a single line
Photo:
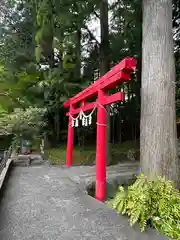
[(120, 73)]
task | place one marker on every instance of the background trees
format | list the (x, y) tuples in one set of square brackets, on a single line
[(49, 51), (158, 117)]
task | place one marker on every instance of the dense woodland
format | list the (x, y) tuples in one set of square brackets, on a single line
[(37, 40), (49, 51)]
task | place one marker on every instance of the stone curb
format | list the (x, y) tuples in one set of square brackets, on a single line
[(4, 172)]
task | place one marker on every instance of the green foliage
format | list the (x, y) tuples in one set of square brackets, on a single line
[(16, 35), (23, 124), (156, 202), (127, 151), (57, 156), (3, 111), (36, 35), (88, 154), (68, 61), (38, 52)]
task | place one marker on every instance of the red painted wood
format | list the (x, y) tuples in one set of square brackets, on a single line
[(115, 80), (117, 75), (101, 150), (86, 107), (70, 142), (120, 96), (93, 89)]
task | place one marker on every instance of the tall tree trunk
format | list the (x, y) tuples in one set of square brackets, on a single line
[(57, 125), (158, 121), (104, 46), (78, 55), (105, 63)]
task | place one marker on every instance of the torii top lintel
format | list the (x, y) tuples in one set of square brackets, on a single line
[(118, 74)]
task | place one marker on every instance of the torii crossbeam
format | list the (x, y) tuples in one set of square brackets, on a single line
[(119, 74)]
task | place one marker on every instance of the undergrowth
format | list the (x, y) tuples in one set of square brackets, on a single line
[(155, 203), (87, 156), (57, 156)]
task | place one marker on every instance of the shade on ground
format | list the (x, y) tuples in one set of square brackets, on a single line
[(43, 203)]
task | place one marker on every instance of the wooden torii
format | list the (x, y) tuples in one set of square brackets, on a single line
[(118, 74)]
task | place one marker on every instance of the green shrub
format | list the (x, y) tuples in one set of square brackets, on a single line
[(57, 156), (151, 202)]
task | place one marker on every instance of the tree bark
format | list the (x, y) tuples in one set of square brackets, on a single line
[(57, 125), (158, 120), (78, 55), (104, 46), (105, 64)]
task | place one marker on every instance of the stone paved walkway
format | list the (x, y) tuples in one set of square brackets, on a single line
[(44, 203)]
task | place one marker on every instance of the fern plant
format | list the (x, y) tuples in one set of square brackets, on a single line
[(154, 202)]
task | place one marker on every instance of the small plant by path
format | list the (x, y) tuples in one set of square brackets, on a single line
[(155, 203)]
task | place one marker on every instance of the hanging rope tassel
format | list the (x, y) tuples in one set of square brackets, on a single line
[(90, 120), (80, 115), (86, 119), (73, 123), (77, 123), (86, 122), (83, 121)]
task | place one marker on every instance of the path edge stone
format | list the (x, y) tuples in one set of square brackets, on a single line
[(4, 173)]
